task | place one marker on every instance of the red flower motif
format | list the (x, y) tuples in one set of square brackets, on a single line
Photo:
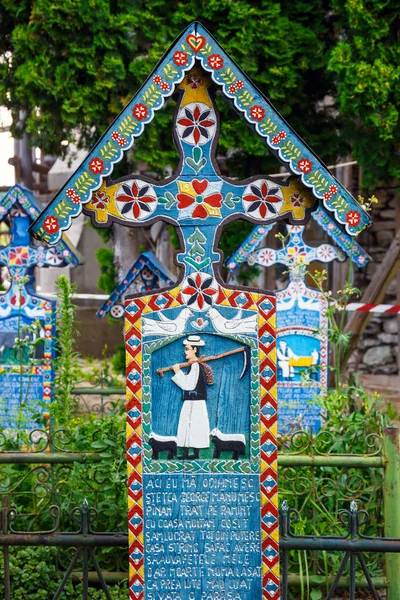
[(282, 135), (304, 165), (70, 192), (135, 199), (199, 290), (50, 224), (100, 200), (194, 81), (19, 256), (353, 218), (257, 113), (239, 84), (233, 89), (200, 212), (140, 111), (276, 140), (180, 58), (76, 199), (296, 199), (326, 195), (96, 165), (215, 61), (263, 199), (164, 86), (157, 79), (196, 123), (122, 141), (115, 136), (333, 189)]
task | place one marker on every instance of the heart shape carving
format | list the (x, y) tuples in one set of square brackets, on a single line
[(196, 42), (199, 186)]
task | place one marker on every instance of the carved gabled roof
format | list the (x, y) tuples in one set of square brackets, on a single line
[(345, 242), (21, 196), (146, 259), (197, 44)]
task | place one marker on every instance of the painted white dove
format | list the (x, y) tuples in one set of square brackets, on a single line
[(235, 325), (167, 326)]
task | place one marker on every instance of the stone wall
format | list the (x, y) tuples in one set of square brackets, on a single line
[(377, 352)]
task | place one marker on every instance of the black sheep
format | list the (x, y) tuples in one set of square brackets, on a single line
[(234, 442), (160, 443)]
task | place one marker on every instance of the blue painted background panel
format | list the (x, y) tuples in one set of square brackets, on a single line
[(202, 537), (227, 399)]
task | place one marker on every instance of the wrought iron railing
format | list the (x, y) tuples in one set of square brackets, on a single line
[(317, 480), (85, 540)]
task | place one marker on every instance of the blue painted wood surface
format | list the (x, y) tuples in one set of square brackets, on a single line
[(348, 244)]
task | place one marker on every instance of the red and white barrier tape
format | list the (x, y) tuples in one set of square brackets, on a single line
[(373, 308)]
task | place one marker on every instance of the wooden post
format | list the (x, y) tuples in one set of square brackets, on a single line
[(398, 286), (374, 294)]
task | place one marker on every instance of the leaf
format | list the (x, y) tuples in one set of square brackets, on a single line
[(268, 126), (196, 166), (228, 76), (151, 95), (168, 200), (290, 150), (170, 72), (197, 153), (229, 203), (197, 249), (197, 236), (108, 151), (128, 125), (97, 445)]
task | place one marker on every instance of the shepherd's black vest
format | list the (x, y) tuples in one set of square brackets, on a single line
[(200, 391)]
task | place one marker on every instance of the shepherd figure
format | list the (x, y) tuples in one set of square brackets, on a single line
[(193, 426)]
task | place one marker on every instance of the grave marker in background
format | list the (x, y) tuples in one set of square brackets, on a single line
[(147, 274), (301, 323), (21, 306)]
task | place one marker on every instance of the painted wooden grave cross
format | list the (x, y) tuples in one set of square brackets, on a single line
[(21, 306), (201, 446), (301, 323)]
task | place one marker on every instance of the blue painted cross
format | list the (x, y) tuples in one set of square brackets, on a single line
[(198, 199)]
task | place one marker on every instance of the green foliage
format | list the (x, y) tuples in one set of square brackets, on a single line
[(66, 367), (354, 425), (108, 274), (118, 360), (366, 65), (80, 62), (73, 66), (35, 576)]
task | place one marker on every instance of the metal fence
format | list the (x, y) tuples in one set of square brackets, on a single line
[(342, 497)]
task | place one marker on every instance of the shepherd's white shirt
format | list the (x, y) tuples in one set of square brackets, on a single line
[(193, 426)]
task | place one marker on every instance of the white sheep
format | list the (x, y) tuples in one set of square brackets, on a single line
[(231, 442)]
